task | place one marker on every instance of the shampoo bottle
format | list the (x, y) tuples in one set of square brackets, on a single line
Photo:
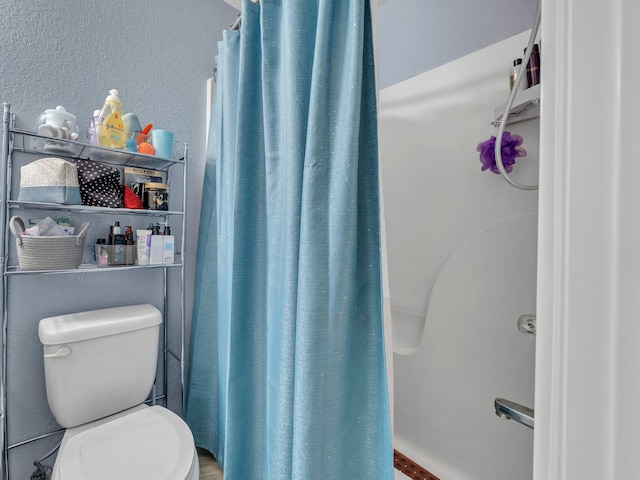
[(533, 66), (111, 132)]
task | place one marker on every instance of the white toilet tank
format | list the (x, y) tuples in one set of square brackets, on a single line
[(99, 362)]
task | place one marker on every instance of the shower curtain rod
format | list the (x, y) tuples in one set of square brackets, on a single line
[(237, 23)]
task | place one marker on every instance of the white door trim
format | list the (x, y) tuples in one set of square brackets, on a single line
[(587, 394)]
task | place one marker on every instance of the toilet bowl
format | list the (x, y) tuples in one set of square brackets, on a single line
[(99, 370)]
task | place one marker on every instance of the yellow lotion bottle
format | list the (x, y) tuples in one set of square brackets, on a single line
[(111, 132)]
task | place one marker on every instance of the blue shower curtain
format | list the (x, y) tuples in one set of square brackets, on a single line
[(287, 375)]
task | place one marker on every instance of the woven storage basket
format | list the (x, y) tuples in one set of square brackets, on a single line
[(48, 253)]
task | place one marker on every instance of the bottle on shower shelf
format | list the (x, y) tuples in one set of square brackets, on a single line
[(533, 66), (513, 73)]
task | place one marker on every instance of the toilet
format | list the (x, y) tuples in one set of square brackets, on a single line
[(99, 369)]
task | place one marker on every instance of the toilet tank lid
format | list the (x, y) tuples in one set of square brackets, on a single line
[(76, 327)]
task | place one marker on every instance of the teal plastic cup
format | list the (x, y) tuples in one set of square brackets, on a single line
[(162, 141)]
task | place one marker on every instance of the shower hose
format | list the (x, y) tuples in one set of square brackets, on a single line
[(507, 108)]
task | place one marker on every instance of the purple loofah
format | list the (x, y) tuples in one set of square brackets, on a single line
[(510, 151)]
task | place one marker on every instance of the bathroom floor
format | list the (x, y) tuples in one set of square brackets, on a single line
[(209, 469)]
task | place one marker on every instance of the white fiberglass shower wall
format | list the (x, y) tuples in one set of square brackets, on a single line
[(461, 247)]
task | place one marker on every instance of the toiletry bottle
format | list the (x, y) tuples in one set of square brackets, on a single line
[(119, 249), (103, 259), (117, 245), (111, 131), (143, 246), (533, 66), (513, 73), (168, 242), (130, 249), (97, 249), (156, 250), (115, 230)]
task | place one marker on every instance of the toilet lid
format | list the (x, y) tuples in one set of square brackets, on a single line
[(149, 443)]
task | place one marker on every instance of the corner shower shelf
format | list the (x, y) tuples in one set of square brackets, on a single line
[(525, 106)]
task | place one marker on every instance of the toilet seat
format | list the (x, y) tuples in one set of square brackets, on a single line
[(148, 442)]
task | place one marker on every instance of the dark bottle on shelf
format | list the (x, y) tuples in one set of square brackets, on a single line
[(533, 66)]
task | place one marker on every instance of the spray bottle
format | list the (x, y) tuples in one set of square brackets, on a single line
[(111, 132)]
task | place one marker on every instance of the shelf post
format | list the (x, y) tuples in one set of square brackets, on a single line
[(4, 463)]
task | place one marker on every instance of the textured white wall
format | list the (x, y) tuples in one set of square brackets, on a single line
[(158, 54)]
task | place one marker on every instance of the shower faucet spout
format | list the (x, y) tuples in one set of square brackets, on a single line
[(513, 411)]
